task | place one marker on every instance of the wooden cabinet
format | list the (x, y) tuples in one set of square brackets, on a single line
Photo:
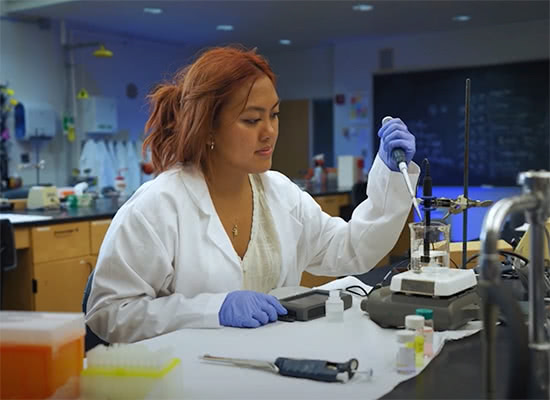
[(22, 238), (59, 285), (294, 138), (98, 229), (60, 241), (54, 262)]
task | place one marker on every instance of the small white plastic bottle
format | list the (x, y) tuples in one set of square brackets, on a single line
[(334, 307), (405, 358)]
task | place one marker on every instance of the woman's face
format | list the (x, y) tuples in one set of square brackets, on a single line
[(245, 136)]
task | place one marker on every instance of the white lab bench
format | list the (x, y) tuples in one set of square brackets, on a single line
[(357, 337)]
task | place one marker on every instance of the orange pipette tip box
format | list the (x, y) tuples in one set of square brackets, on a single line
[(40, 353)]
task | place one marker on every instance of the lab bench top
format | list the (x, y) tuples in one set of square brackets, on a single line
[(104, 208), (107, 208)]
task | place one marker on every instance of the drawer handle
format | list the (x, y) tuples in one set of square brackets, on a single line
[(65, 232), (89, 264)]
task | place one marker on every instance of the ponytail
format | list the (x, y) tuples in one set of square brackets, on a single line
[(161, 127)]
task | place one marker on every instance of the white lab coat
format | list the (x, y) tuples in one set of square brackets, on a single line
[(111, 153), (166, 262), (88, 159), (121, 158)]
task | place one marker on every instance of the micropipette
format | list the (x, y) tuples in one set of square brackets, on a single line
[(399, 156)]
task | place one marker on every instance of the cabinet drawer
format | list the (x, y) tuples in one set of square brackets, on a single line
[(60, 284), (57, 242), (22, 238), (98, 229)]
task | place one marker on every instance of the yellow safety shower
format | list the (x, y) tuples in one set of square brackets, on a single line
[(103, 52)]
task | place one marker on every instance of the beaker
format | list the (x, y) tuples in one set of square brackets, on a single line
[(429, 247)]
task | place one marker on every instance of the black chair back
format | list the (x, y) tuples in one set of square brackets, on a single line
[(8, 253), (91, 340)]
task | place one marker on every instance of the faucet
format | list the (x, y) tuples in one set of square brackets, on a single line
[(535, 202)]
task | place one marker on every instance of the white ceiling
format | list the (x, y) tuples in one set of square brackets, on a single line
[(259, 23)]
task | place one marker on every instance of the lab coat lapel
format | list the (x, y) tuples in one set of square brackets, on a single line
[(196, 185), (289, 229)]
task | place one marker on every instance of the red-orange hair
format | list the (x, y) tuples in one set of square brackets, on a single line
[(185, 110)]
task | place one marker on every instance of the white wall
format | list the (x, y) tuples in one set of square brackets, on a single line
[(355, 63), (32, 62), (303, 73)]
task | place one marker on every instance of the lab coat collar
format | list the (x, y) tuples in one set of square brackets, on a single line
[(194, 181)]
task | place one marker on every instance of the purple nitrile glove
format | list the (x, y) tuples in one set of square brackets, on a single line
[(248, 309), (394, 134)]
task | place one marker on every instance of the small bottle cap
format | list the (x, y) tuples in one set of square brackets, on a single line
[(405, 336), (425, 312), (334, 295), (414, 322)]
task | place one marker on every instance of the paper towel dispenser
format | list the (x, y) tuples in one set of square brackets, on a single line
[(34, 121), (350, 171), (98, 115)]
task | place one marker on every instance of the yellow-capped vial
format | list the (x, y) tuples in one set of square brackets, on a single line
[(416, 323)]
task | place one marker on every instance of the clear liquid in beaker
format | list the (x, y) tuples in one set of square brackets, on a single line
[(438, 262), (434, 237)]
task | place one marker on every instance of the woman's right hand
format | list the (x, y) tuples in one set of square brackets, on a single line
[(248, 309)]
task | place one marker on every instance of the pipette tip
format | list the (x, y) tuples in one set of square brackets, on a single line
[(415, 203)]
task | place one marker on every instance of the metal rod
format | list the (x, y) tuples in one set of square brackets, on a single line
[(537, 315), (490, 232), (466, 172), (37, 157)]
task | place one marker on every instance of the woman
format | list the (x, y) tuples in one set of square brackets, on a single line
[(202, 244)]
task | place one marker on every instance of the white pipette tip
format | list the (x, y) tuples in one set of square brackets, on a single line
[(386, 119), (415, 204)]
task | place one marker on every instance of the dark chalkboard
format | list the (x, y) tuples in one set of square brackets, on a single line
[(509, 119)]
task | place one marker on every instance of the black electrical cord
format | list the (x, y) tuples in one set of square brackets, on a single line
[(396, 268), (358, 290), (503, 253)]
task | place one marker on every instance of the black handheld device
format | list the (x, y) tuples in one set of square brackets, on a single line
[(309, 305)]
